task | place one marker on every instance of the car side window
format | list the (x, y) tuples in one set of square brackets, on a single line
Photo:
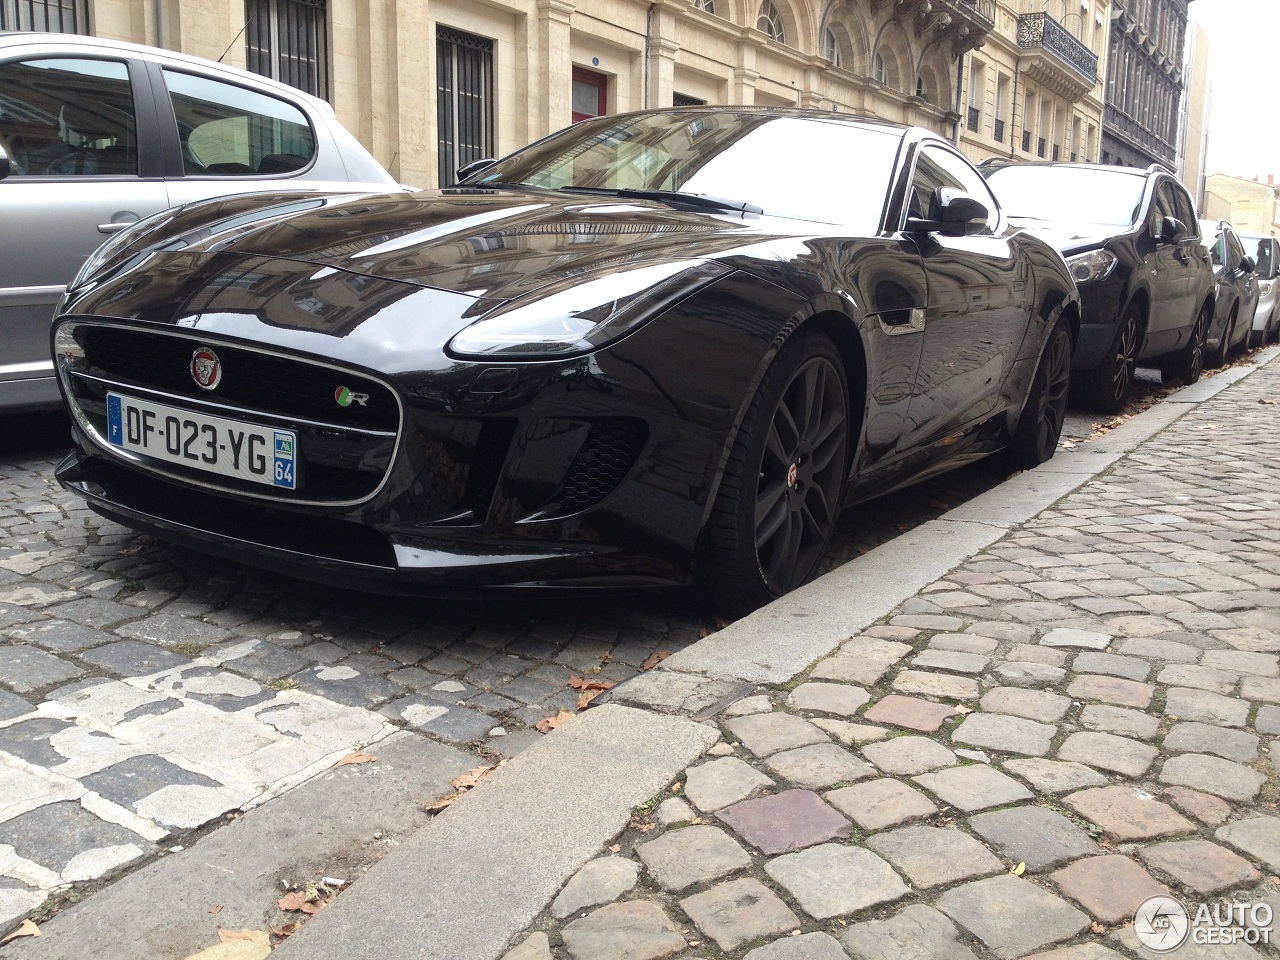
[(1218, 252), (1186, 211), (1162, 207), (1235, 247), (935, 168), (229, 131), (68, 117), (1266, 258)]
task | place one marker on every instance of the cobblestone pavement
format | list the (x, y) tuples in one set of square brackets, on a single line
[(147, 692), (1076, 719)]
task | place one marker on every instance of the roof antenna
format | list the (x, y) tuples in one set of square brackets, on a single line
[(233, 40)]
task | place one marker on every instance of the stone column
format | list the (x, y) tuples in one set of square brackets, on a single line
[(664, 44), (555, 80)]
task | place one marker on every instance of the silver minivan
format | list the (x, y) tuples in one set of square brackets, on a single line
[(95, 135)]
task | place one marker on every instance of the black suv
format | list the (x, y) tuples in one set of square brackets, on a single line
[(1131, 239)]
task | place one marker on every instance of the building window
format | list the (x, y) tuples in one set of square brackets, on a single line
[(878, 69), (54, 16), (590, 94), (464, 100), (684, 100), (831, 48), (288, 40), (1026, 141), (707, 5), (769, 21), (977, 86)]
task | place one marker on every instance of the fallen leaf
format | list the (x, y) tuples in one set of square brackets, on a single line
[(216, 908), (617, 846), (472, 777), (586, 696), (356, 757), (292, 901), (129, 551), (1097, 928), (939, 505), (605, 659), (28, 929), (1019, 870), (580, 683), (286, 931), (655, 658), (252, 936), (1268, 402), (435, 806), (550, 723), (960, 708)]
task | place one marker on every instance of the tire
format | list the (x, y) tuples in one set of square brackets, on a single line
[(1273, 328), (1255, 339), (1039, 428), (1105, 387), (1188, 363), (1218, 356), (780, 495)]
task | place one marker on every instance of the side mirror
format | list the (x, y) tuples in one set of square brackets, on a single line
[(1248, 265), (6, 167), (952, 213), (475, 166), (1172, 230)]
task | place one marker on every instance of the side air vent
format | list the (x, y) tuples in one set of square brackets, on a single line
[(612, 446)]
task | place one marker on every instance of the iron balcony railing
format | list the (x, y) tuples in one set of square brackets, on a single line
[(1026, 141), (999, 131), (1041, 30), (1040, 147), (983, 9), (974, 117)]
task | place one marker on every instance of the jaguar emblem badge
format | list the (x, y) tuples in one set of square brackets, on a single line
[(206, 368)]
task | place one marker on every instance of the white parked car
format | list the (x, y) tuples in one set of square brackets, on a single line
[(1266, 319), (95, 135)]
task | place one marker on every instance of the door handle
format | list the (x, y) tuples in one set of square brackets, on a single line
[(119, 220)]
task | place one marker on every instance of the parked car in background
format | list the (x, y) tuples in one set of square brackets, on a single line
[(1265, 251), (96, 135), (1238, 293), (1131, 239), (620, 356)]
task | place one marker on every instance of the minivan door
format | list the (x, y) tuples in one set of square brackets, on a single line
[(77, 138)]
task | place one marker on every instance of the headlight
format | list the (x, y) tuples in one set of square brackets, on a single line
[(112, 248), (1091, 266), (577, 316), (1264, 288), (66, 349)]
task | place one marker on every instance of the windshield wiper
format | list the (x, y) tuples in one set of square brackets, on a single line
[(674, 197)]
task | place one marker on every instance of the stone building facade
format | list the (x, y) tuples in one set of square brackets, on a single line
[(429, 84), (1251, 206), (1197, 102), (1144, 82), (1034, 90)]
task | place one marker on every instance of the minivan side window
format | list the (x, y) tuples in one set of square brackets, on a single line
[(65, 117), (228, 131)]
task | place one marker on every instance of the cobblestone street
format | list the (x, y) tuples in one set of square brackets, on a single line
[(1076, 719)]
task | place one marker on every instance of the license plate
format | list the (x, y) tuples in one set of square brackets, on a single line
[(213, 444)]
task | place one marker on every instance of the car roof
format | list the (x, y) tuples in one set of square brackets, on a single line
[(992, 167), (15, 39)]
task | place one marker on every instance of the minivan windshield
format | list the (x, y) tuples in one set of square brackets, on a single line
[(749, 158), (1069, 194)]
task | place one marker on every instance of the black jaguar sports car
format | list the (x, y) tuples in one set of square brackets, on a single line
[(662, 348)]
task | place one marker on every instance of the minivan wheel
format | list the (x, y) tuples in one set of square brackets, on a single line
[(1188, 363), (1105, 387)]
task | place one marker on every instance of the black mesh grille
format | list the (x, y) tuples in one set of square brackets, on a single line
[(252, 380), (611, 448)]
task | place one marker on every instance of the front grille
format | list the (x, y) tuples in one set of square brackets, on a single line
[(343, 453), (252, 380), (611, 448)]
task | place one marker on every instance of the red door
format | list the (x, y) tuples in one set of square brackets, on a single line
[(590, 94)]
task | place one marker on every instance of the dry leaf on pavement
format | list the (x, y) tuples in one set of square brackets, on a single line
[(654, 659), (550, 723), (435, 806), (28, 929), (237, 945), (286, 931), (1019, 870), (216, 908), (356, 757), (473, 777)]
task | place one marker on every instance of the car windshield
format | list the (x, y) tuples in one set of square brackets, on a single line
[(755, 158), (1069, 194)]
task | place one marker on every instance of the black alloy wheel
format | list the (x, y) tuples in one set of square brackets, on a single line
[(1218, 355), (1040, 426), (780, 497), (1105, 387), (1188, 363)]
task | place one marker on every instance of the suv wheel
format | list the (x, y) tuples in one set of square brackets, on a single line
[(1105, 387), (1218, 356), (1186, 364)]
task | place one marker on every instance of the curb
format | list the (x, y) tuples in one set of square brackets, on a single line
[(780, 640)]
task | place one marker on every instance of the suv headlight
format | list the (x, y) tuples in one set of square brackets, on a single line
[(1091, 266), (577, 315)]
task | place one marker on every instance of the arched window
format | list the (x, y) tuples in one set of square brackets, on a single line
[(708, 5), (770, 21), (831, 48), (878, 69)]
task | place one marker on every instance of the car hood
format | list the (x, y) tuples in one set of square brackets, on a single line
[(1069, 237), (487, 244)]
